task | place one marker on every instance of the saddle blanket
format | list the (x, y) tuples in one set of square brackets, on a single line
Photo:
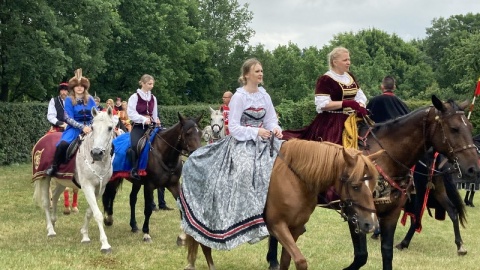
[(121, 163), (42, 158)]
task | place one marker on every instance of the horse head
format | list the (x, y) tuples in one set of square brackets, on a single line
[(451, 134), (102, 133), (356, 189), (217, 124), (190, 138)]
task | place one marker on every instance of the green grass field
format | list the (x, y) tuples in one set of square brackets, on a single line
[(326, 244)]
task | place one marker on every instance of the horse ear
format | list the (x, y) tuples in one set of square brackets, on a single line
[(464, 105), (211, 110), (347, 156), (94, 111), (376, 155), (181, 118), (110, 111), (438, 104)]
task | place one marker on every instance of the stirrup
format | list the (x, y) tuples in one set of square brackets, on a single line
[(134, 174)]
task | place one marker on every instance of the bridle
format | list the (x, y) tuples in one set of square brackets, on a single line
[(438, 119), (344, 204)]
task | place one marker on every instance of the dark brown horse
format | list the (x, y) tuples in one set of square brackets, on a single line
[(163, 170), (436, 188), (442, 126), (301, 170)]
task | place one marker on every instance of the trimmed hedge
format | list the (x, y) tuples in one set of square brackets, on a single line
[(24, 123)]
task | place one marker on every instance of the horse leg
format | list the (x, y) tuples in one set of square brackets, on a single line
[(66, 202), (192, 250), (410, 233), (470, 199), (42, 197), (207, 252), (467, 202), (75, 200), (148, 194), (290, 250), (447, 204), (360, 252), (94, 210), (133, 202), (388, 226), (55, 196), (272, 253), (107, 199), (175, 191)]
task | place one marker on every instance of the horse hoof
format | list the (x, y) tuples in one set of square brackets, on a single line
[(66, 211), (106, 250), (400, 246), (189, 267), (75, 210), (52, 235), (107, 222), (134, 230), (274, 267), (85, 241), (461, 251), (147, 240), (180, 242)]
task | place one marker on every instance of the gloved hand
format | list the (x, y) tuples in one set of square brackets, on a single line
[(361, 111)]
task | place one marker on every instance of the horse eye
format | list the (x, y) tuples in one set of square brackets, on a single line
[(356, 187), (110, 128)]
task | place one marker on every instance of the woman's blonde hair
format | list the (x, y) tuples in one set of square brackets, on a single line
[(247, 65), (334, 54), (145, 78)]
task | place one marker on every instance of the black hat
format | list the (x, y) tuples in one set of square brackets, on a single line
[(63, 86)]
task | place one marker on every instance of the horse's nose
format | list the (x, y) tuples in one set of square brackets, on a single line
[(97, 154)]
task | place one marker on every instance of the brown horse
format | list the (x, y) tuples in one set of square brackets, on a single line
[(405, 140), (300, 172), (442, 126), (163, 170)]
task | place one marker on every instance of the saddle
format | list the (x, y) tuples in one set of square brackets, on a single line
[(145, 138), (73, 147)]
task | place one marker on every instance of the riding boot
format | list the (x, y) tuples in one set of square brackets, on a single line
[(132, 156), (470, 199), (467, 202), (58, 158)]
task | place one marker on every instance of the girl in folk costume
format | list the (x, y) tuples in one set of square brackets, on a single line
[(142, 112), (78, 116), (233, 173)]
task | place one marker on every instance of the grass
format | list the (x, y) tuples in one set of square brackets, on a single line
[(326, 244)]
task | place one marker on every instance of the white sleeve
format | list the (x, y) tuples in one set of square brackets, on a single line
[(321, 101), (271, 120), (155, 109), (132, 113), (360, 97), (52, 112)]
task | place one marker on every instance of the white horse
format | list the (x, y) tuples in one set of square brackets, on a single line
[(93, 169), (216, 130)]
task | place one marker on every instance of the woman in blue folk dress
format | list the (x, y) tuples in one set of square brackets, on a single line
[(78, 116), (225, 184)]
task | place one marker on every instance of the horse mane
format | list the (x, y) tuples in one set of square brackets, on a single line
[(320, 164)]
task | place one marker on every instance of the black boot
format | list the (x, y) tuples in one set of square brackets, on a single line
[(58, 158), (52, 170), (132, 156)]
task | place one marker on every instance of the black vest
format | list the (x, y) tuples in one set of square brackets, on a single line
[(60, 109)]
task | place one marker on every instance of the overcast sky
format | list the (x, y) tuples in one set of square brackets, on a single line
[(315, 22)]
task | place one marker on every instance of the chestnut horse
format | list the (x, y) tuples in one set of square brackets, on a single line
[(405, 140), (301, 170), (163, 170)]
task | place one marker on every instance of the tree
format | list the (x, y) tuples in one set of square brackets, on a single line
[(445, 36)]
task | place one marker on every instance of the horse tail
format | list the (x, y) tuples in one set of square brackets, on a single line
[(38, 193), (455, 198)]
